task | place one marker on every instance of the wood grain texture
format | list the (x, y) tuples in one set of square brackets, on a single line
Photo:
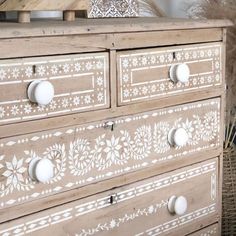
[(132, 205), (43, 5), (95, 26)]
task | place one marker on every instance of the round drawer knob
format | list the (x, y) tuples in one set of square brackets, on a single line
[(178, 137), (177, 205), (41, 92), (180, 73), (41, 170)]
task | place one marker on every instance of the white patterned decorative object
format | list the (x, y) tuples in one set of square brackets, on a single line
[(177, 205), (41, 170), (113, 8), (180, 73), (41, 92)]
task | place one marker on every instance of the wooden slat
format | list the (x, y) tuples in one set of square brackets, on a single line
[(100, 26)]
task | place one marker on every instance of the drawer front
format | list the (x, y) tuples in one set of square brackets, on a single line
[(81, 83), (144, 74), (212, 230), (90, 153), (137, 209)]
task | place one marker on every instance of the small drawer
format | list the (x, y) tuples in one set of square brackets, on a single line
[(34, 88), (161, 72), (72, 157), (212, 230), (160, 205)]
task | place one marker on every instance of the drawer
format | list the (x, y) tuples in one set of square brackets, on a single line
[(81, 155), (78, 82), (212, 230), (137, 209), (145, 74)]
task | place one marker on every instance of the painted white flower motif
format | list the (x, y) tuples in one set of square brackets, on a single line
[(135, 61), (100, 97), (27, 108), (2, 112), (77, 67), (153, 88), (126, 93), (194, 55), (99, 65), (89, 66), (66, 68), (14, 172), (65, 102), (210, 129), (53, 105), (54, 69), (171, 85), (112, 148), (126, 78), (188, 126), (162, 87), (144, 61), (153, 59), (202, 80), (125, 63), (135, 92), (217, 65), (29, 71), (112, 224), (100, 81), (15, 110), (76, 101), (209, 79), (150, 209), (162, 58), (209, 53), (41, 108), (87, 99), (145, 90), (160, 134), (186, 56), (217, 77), (170, 57), (2, 74), (41, 70), (15, 73), (194, 81), (178, 56), (202, 54)]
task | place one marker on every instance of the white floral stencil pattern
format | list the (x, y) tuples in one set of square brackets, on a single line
[(90, 153), (65, 69), (132, 88)]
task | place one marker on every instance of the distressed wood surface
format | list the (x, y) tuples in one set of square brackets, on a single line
[(99, 26), (43, 5), (144, 201), (213, 230)]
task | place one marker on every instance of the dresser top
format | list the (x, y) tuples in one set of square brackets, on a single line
[(97, 26)]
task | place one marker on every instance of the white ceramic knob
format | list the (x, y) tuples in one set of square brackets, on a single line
[(41, 92), (177, 205), (180, 73), (41, 170), (178, 137)]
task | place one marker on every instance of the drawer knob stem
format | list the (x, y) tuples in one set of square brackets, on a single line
[(178, 137), (177, 205), (180, 73), (41, 92), (110, 125), (41, 170)]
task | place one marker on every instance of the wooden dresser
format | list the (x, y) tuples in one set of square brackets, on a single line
[(112, 127)]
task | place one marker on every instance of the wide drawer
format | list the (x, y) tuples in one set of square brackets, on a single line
[(81, 83), (145, 74), (212, 230), (89, 153), (137, 209)]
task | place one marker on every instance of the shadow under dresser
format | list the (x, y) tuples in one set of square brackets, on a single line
[(112, 127)]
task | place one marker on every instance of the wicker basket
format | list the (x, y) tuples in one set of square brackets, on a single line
[(229, 193)]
